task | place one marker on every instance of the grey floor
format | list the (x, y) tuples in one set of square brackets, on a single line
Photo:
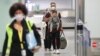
[(69, 51)]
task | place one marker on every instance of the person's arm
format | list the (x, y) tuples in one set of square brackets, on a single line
[(5, 45), (50, 25), (59, 15), (61, 27), (43, 19), (58, 23), (37, 35)]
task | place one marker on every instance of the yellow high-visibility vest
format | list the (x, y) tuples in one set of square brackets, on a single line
[(10, 35)]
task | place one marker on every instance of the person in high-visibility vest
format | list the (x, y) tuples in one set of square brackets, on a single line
[(15, 43)]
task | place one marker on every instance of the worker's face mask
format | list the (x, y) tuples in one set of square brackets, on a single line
[(19, 17)]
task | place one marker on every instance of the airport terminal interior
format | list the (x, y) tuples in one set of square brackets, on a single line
[(80, 20)]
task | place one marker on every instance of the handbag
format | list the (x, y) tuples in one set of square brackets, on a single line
[(63, 41), (30, 38)]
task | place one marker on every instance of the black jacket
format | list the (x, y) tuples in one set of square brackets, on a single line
[(15, 46)]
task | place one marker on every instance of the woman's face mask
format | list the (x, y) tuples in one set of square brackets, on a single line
[(19, 17)]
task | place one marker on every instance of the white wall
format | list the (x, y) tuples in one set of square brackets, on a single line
[(66, 4), (92, 17), (4, 18)]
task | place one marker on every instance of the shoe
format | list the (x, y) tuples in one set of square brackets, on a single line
[(47, 51), (50, 50), (54, 51), (57, 52)]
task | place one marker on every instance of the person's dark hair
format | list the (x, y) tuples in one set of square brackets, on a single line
[(17, 6), (54, 11), (48, 15)]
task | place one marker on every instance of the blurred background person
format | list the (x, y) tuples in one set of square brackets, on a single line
[(47, 41), (55, 28)]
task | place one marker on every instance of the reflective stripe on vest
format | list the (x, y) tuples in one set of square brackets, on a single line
[(10, 34), (29, 24)]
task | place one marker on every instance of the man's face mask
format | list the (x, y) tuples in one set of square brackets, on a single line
[(19, 17)]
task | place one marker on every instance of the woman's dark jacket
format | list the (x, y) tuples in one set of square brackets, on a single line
[(15, 46)]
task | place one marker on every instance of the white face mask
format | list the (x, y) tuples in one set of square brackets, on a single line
[(53, 8), (19, 17)]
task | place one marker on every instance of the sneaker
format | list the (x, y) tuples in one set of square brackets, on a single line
[(47, 51), (50, 50), (54, 51), (57, 52)]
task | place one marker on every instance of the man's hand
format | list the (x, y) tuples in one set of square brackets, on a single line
[(61, 29)]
